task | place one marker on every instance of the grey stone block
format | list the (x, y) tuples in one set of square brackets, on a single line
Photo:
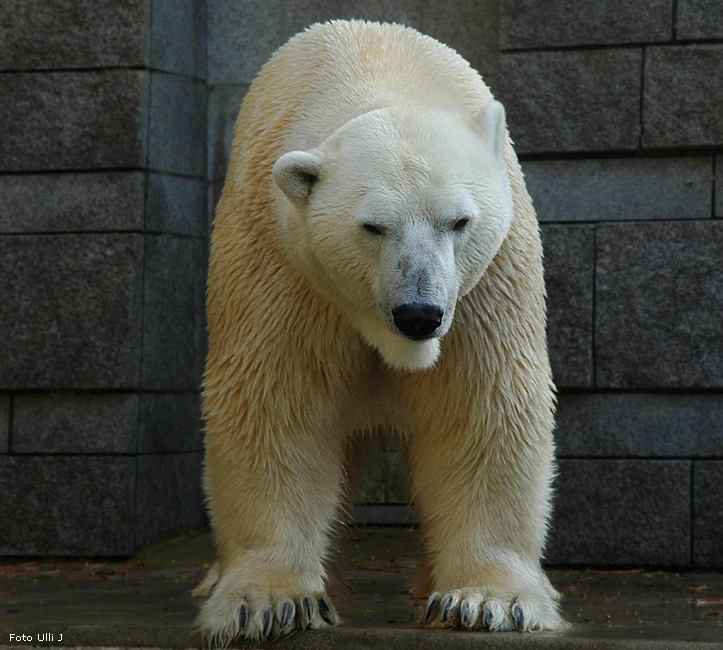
[(531, 24), (383, 515), (75, 423), (223, 107), (698, 19), (302, 13), (37, 34), (73, 120), (4, 424), (682, 96), (572, 101), (708, 514), (640, 424), (569, 258), (383, 478), (178, 37), (242, 35), (659, 296), (370, 486), (719, 186), (170, 422), (621, 512), (72, 202), (471, 28), (177, 138), (173, 308), (176, 204), (169, 496), (625, 188), (71, 310), (67, 505)]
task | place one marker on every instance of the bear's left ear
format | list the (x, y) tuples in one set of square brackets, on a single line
[(491, 124), (296, 172)]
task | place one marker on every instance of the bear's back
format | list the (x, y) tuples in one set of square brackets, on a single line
[(335, 71)]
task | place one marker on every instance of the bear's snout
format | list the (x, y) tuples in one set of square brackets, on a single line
[(417, 320)]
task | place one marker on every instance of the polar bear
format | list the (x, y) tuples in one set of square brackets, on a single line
[(375, 267)]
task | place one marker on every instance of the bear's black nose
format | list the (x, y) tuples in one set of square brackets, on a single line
[(417, 320)]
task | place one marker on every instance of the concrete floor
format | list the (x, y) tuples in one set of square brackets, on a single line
[(146, 602)]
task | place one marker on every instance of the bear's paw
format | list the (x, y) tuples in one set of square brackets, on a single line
[(494, 610), (259, 614)]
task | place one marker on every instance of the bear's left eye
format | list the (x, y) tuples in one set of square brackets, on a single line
[(461, 223)]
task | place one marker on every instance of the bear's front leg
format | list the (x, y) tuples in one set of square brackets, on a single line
[(273, 488), (483, 492)]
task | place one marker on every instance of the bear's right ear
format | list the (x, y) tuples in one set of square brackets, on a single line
[(296, 172), (491, 124)]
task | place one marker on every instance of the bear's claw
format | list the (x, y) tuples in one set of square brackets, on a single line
[(519, 618), (432, 604), (285, 612)]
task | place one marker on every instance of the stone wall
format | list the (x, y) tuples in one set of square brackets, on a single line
[(107, 173), (614, 108), (102, 263)]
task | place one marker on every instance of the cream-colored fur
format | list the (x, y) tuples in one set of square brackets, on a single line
[(302, 354)]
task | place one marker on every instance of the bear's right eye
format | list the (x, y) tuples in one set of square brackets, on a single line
[(372, 229)]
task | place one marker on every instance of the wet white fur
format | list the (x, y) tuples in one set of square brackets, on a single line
[(389, 127)]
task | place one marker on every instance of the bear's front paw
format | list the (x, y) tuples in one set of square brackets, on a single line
[(496, 610), (259, 614)]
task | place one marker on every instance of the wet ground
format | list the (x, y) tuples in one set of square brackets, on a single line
[(146, 602)]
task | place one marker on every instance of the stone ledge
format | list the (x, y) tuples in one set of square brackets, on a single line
[(146, 602)]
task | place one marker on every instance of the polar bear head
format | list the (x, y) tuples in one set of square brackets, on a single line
[(396, 216)]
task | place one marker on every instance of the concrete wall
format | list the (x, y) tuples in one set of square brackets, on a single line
[(116, 135)]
